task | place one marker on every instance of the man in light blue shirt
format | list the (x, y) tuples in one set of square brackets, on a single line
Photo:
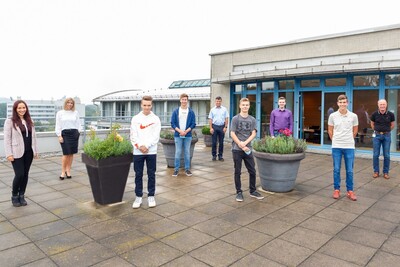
[(218, 119)]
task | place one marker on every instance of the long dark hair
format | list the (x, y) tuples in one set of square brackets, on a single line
[(17, 120)]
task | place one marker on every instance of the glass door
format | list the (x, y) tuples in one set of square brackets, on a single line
[(330, 100)]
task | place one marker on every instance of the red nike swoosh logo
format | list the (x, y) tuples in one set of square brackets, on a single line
[(145, 126)]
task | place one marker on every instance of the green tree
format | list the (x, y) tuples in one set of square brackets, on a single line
[(3, 113)]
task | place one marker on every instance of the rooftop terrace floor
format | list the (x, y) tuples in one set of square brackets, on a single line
[(197, 221)]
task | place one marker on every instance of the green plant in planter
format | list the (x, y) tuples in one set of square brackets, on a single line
[(113, 145), (206, 130), (284, 143)]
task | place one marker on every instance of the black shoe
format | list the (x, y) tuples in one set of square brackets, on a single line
[(61, 178), (68, 177), (221, 159), (15, 201), (214, 158), (239, 197), (22, 200), (256, 195)]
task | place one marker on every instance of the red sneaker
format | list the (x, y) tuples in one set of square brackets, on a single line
[(351, 195), (336, 194)]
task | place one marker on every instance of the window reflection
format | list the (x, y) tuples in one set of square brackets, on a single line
[(366, 80), (268, 86), (392, 80), (251, 86), (335, 82), (286, 84), (364, 104), (393, 99), (310, 83)]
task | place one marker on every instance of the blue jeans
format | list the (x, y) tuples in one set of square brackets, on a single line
[(138, 165), (383, 140), (185, 144), (348, 155)]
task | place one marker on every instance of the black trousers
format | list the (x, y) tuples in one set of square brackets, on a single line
[(21, 168), (238, 156)]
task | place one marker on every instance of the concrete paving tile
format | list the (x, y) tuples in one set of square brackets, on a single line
[(322, 225), (289, 216), (396, 232), (169, 209), (12, 239), (348, 251), (392, 245), (6, 227), (318, 260), (190, 217), (218, 253), (46, 262), (58, 203), (10, 212), (85, 255), (113, 262), (384, 259), (240, 216), (46, 197), (247, 239), (387, 205), (21, 255), (34, 219), (145, 255), (161, 228), (270, 226), (47, 230), (305, 207), (194, 201), (213, 195), (279, 199), (255, 260), (214, 208), (356, 207), (104, 229), (362, 236), (126, 241), (337, 215), (140, 217), (216, 227), (187, 240), (85, 219), (284, 252), (373, 224), (262, 208), (185, 261), (63, 242), (306, 237)]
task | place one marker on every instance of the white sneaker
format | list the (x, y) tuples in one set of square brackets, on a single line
[(152, 202), (137, 203)]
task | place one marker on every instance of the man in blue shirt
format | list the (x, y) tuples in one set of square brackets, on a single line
[(218, 119), (183, 121), (281, 118)]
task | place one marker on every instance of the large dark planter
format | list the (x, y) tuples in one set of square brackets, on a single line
[(108, 177), (208, 140), (169, 151), (278, 172)]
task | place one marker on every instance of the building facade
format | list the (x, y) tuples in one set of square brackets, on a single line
[(120, 106), (311, 73)]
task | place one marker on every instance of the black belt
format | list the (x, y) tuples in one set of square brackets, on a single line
[(382, 132), (219, 125)]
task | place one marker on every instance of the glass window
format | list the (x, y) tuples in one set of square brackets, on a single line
[(366, 80), (267, 86), (289, 100), (267, 105), (238, 88), (286, 84), (392, 80), (393, 98), (364, 104), (309, 83), (251, 86), (335, 82)]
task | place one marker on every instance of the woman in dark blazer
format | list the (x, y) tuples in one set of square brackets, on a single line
[(20, 148)]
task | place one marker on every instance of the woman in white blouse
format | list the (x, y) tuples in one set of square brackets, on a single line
[(67, 130)]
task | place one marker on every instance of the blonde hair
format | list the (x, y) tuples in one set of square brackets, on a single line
[(67, 100)]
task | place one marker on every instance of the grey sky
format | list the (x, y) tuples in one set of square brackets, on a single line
[(52, 48)]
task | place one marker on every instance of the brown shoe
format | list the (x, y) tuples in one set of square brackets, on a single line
[(386, 175), (376, 175)]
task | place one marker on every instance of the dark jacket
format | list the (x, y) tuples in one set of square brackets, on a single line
[(190, 123)]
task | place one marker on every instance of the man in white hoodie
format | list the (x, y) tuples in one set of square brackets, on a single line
[(145, 133)]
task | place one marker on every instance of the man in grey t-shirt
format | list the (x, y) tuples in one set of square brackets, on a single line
[(243, 131)]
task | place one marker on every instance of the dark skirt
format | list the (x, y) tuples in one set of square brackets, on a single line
[(71, 139)]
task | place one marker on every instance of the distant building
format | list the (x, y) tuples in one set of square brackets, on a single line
[(122, 105), (44, 111)]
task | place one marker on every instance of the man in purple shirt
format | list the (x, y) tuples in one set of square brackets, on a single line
[(281, 118)]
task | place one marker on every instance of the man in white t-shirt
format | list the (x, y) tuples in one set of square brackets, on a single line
[(342, 129)]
